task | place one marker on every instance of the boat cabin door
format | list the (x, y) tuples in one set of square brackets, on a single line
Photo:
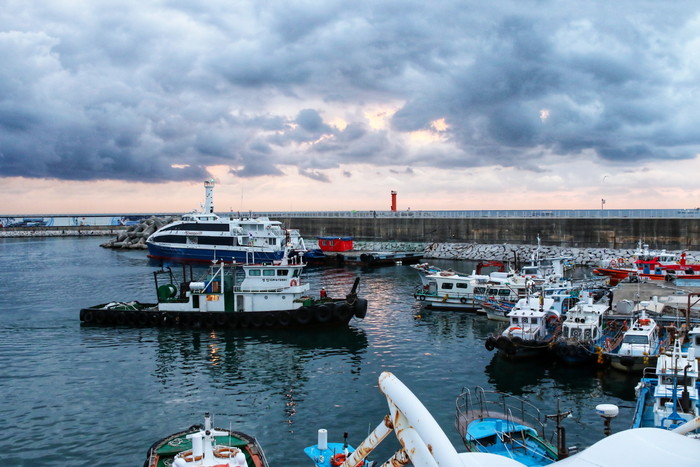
[(240, 303), (432, 287)]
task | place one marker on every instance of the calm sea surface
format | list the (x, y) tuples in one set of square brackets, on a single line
[(78, 395)]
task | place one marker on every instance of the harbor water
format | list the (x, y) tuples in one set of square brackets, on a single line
[(82, 395)]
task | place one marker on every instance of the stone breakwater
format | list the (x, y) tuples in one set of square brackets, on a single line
[(135, 236), (505, 252)]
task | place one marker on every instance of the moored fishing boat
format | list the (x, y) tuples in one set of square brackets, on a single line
[(585, 330), (205, 446), (646, 264), (423, 443), (499, 423), (204, 236), (668, 398), (325, 454), (233, 296), (638, 347), (534, 323)]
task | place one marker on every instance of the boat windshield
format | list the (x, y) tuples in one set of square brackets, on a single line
[(635, 339)]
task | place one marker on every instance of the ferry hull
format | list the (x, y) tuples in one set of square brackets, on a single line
[(208, 255)]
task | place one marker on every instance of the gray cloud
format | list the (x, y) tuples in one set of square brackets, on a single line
[(158, 92)]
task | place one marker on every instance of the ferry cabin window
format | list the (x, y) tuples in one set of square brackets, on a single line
[(221, 241), (446, 286), (254, 272), (171, 238), (268, 272), (283, 272)]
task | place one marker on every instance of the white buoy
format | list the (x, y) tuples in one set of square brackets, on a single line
[(322, 439), (607, 410)]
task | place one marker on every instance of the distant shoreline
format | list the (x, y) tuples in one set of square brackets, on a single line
[(78, 231)]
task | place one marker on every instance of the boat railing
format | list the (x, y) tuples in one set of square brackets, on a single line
[(239, 289), (481, 404)]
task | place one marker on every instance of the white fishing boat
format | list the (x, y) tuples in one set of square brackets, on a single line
[(586, 328), (205, 236), (640, 345), (233, 296), (534, 323)]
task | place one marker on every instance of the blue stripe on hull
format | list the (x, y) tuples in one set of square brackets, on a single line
[(201, 254)]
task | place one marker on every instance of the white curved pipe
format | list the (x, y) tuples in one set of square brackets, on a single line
[(418, 417), (687, 427)]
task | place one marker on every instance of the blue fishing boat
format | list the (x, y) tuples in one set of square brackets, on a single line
[(325, 454), (668, 398), (499, 423)]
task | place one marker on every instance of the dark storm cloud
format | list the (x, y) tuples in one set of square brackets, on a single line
[(134, 91)]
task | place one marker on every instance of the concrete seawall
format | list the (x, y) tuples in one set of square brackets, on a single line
[(614, 233), (586, 240)]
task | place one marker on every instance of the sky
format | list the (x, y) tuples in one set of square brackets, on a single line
[(128, 106)]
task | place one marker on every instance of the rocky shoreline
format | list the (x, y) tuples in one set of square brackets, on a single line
[(135, 236)]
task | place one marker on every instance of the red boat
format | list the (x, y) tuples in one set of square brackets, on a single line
[(649, 265)]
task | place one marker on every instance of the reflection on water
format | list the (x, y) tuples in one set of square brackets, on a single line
[(280, 386)]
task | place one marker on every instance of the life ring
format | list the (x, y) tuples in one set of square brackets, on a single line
[(339, 459), (463, 300), (226, 452), (188, 456), (293, 283), (613, 263)]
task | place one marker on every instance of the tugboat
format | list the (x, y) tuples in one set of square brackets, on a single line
[(202, 445), (233, 296)]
